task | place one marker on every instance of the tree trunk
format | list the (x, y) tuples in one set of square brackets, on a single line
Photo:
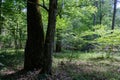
[(20, 39), (94, 15), (94, 19), (49, 42), (100, 14), (58, 41), (114, 13), (0, 22), (35, 40), (0, 17)]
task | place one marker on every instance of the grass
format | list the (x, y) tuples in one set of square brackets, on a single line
[(90, 66), (78, 55), (69, 65)]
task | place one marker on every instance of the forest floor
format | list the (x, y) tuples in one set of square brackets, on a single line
[(68, 65)]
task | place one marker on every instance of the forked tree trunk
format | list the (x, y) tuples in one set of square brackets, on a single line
[(35, 40)]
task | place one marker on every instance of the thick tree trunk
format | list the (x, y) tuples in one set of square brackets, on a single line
[(114, 13), (49, 42), (35, 40)]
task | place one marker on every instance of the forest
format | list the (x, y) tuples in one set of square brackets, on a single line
[(59, 40)]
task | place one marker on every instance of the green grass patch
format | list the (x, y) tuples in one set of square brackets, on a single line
[(78, 55)]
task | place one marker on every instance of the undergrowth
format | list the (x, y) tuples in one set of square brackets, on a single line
[(68, 65)]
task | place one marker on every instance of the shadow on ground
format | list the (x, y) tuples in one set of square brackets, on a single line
[(92, 69), (10, 62), (82, 70)]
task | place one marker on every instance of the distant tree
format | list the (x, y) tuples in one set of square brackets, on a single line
[(0, 16), (94, 15), (58, 40), (1, 22), (101, 12), (114, 14), (98, 16)]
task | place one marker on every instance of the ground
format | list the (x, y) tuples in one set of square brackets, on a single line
[(67, 65)]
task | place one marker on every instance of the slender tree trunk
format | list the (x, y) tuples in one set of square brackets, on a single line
[(15, 39), (49, 42), (94, 15), (19, 30), (94, 19), (100, 14), (35, 40), (114, 14), (0, 17), (58, 41), (20, 39), (0, 22)]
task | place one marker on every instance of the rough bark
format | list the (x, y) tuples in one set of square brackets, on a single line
[(35, 37), (114, 14), (49, 42)]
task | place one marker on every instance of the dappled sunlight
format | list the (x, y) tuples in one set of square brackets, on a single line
[(93, 67), (59, 39)]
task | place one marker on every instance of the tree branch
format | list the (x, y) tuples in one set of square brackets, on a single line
[(43, 6)]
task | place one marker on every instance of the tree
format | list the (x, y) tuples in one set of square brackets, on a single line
[(35, 37), (114, 13), (49, 42), (0, 16), (58, 40), (94, 15), (38, 54), (0, 21), (98, 17)]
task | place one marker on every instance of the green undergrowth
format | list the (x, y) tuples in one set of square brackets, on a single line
[(78, 55), (69, 65), (90, 65)]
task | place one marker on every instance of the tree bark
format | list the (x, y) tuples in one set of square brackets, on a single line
[(49, 42), (114, 14), (35, 40)]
